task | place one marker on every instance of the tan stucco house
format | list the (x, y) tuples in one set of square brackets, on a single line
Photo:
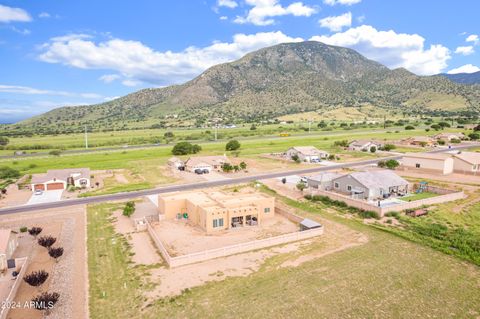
[(208, 163), (56, 179), (433, 162), (217, 210), (8, 244), (466, 163), (419, 141), (364, 145), (450, 136)]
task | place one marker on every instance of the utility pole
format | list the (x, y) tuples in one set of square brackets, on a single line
[(86, 138), (309, 126), (384, 121), (216, 127)]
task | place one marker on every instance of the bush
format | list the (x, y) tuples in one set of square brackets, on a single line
[(342, 143), (34, 231), (441, 142), (368, 214), (381, 164), (8, 172), (4, 140), (36, 278), (227, 167), (184, 148), (55, 252), (301, 186), (129, 209), (45, 301), (46, 241), (392, 164), (373, 149), (409, 127), (232, 145), (392, 214), (243, 165), (23, 229), (474, 136), (389, 147), (168, 135), (455, 141)]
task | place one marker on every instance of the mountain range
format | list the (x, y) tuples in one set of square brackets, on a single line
[(464, 78), (274, 81)]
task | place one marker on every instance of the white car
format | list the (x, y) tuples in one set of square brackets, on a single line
[(38, 192)]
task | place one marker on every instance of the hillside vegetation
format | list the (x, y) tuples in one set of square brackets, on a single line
[(271, 82)]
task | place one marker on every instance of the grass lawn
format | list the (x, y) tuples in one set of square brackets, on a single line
[(388, 277), (418, 196)]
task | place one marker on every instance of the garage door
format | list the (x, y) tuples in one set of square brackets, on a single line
[(39, 186), (52, 186)]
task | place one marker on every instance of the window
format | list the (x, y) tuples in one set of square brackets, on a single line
[(220, 222), (336, 185), (417, 165), (266, 210), (349, 187), (215, 223)]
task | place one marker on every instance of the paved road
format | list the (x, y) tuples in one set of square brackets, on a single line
[(207, 184)]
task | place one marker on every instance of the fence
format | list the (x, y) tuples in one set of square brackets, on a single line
[(290, 216), (232, 249), (13, 291), (448, 196)]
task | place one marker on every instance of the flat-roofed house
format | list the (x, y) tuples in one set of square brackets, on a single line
[(466, 163), (449, 136), (217, 210), (371, 185), (307, 153), (8, 244), (364, 145), (434, 162), (322, 181), (56, 179), (419, 141), (209, 163)]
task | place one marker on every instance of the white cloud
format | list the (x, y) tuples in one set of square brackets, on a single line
[(131, 83), (17, 89), (467, 68), (264, 10), (9, 14), (136, 61), (465, 50), (344, 2), (44, 15), (223, 18), (392, 49), (473, 38), (109, 78), (337, 23), (227, 3)]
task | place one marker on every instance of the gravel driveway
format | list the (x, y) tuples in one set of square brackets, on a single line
[(46, 197)]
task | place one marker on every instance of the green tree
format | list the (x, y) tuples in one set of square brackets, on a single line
[(389, 147), (373, 149), (184, 148), (253, 127), (129, 209), (168, 135), (8, 172), (392, 164), (301, 186), (381, 164), (322, 124), (409, 127), (227, 167), (232, 145)]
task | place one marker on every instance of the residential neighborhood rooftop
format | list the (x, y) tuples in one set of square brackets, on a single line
[(383, 178), (433, 156), (469, 157), (308, 150), (61, 174)]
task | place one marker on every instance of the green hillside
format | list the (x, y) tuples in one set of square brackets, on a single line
[(283, 79)]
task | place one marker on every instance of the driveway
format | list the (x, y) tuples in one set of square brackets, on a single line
[(46, 197)]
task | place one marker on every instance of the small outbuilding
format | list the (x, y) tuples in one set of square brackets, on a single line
[(433, 162), (308, 224)]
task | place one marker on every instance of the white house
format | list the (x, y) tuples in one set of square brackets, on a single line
[(307, 153), (61, 178), (364, 145), (208, 163)]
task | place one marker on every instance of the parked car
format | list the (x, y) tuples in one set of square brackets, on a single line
[(199, 171), (38, 192), (206, 171)]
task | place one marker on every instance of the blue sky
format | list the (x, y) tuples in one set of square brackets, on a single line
[(55, 53)]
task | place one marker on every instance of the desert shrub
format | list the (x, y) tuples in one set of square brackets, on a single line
[(55, 252), (34, 231), (23, 229), (36, 278), (409, 127), (342, 143), (393, 214), (392, 164), (368, 214), (45, 301)]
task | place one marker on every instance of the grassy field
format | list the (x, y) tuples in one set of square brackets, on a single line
[(419, 196), (388, 277)]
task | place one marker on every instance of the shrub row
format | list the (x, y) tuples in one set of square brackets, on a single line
[(338, 203)]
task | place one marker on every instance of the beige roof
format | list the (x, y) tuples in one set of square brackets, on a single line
[(433, 156), (469, 157), (4, 238), (363, 142), (449, 135), (209, 160), (308, 150), (61, 175)]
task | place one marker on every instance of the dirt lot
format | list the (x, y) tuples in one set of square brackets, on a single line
[(180, 238), (451, 178), (68, 277), (15, 197)]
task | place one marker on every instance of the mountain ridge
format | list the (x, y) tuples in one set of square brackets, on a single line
[(270, 82)]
